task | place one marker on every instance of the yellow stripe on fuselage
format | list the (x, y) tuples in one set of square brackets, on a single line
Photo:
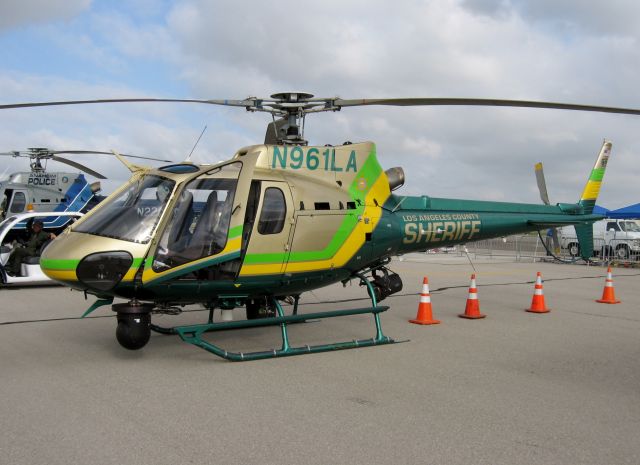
[(61, 275)]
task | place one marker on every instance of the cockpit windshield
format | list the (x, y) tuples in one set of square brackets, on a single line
[(133, 214), (199, 223)]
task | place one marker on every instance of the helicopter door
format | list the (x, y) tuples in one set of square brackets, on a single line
[(268, 246)]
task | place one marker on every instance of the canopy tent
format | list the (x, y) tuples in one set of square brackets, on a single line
[(630, 212), (598, 210)]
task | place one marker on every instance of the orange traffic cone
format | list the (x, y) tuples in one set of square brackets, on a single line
[(608, 294), (537, 303), (425, 316), (472, 309)]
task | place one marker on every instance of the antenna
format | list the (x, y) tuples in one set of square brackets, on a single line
[(196, 144)]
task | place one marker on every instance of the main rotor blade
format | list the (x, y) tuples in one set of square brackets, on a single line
[(233, 103), (79, 166), (542, 185), (410, 102), (331, 104), (84, 152)]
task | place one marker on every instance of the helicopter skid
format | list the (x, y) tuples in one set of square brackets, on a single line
[(192, 334)]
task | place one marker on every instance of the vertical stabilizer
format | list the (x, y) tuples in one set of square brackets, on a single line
[(588, 200), (584, 232), (592, 189)]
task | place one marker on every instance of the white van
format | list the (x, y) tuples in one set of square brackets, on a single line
[(616, 238)]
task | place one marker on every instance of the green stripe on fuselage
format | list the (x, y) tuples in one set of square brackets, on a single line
[(234, 232), (72, 264)]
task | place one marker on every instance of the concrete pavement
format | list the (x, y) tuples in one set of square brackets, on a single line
[(514, 388)]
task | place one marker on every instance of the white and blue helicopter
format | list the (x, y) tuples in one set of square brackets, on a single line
[(39, 190)]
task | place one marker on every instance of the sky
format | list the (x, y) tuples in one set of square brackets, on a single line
[(560, 51)]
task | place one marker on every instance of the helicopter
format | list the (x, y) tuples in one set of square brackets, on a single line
[(276, 220), (39, 190)]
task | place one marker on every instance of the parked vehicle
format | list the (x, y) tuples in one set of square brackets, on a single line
[(30, 272), (611, 237)]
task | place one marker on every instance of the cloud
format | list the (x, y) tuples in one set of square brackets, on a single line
[(164, 131), (474, 48), (17, 13), (567, 17)]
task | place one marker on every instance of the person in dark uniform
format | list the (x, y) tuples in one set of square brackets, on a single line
[(3, 207), (30, 249)]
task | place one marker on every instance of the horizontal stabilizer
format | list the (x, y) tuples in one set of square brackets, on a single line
[(558, 223)]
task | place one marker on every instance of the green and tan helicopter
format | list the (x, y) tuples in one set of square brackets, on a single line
[(277, 220)]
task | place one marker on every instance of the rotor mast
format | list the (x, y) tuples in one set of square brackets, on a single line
[(36, 154)]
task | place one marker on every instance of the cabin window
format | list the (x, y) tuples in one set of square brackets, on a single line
[(613, 225), (322, 206), (274, 210), (18, 203)]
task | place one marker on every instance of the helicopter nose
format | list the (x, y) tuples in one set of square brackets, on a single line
[(85, 262), (101, 271)]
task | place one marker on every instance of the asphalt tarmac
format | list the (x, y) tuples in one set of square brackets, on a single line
[(513, 388)]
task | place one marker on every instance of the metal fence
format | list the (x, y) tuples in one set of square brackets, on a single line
[(529, 247)]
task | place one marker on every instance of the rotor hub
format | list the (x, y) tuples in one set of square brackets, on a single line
[(292, 96)]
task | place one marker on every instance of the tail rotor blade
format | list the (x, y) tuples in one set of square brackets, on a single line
[(544, 196), (542, 185)]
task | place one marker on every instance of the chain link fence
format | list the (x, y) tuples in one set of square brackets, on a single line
[(529, 247)]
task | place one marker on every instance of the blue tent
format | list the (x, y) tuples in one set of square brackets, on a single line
[(630, 212), (598, 210)]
